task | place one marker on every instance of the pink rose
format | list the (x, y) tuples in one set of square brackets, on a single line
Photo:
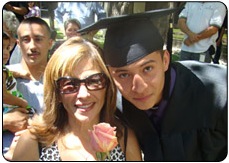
[(103, 137)]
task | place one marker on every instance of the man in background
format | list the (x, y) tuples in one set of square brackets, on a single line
[(200, 22)]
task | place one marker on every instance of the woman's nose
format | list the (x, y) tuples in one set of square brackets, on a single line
[(83, 91)]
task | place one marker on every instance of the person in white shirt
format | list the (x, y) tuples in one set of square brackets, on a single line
[(200, 22)]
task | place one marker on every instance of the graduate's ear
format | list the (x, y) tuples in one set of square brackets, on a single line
[(166, 60)]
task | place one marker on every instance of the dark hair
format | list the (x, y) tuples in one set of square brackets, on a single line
[(5, 36), (37, 20)]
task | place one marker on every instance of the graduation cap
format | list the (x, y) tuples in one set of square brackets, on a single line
[(130, 37)]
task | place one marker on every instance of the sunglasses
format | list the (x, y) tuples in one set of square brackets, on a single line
[(67, 85)]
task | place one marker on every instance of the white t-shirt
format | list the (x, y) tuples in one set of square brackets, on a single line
[(31, 90), (199, 16)]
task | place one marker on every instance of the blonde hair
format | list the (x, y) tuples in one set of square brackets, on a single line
[(55, 118)]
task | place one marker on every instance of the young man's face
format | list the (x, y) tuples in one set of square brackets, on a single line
[(142, 82), (34, 42)]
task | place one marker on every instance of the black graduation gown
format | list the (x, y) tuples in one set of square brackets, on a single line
[(194, 125)]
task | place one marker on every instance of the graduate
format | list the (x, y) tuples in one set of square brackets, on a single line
[(178, 110)]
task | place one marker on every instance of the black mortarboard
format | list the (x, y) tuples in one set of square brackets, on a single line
[(130, 37)]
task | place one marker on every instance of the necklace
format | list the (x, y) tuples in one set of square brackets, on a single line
[(85, 155), (75, 151)]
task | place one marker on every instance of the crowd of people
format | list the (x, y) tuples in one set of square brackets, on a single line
[(56, 92)]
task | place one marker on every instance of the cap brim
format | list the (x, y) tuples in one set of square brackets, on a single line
[(111, 21)]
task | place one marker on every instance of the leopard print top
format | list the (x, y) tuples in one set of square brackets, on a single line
[(52, 154)]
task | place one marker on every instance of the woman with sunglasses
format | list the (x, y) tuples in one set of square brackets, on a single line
[(78, 93)]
